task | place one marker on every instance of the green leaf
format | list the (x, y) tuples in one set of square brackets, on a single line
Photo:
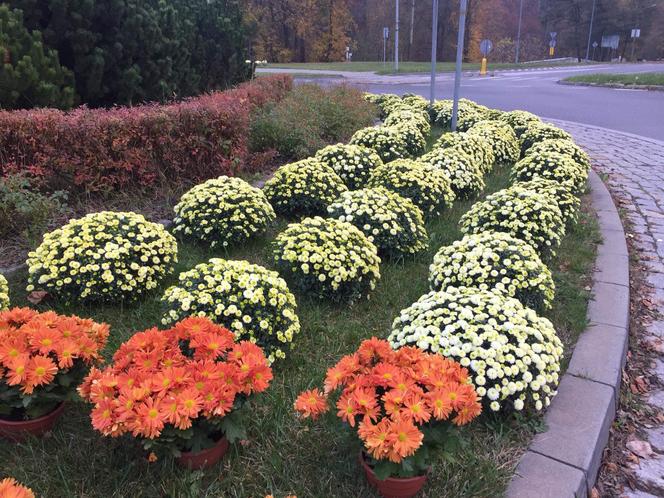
[(384, 469), (233, 427)]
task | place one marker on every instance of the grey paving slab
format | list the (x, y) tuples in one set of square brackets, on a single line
[(599, 355), (578, 422), (540, 477), (609, 305)]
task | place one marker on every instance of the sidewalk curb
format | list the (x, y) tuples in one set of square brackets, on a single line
[(564, 460)]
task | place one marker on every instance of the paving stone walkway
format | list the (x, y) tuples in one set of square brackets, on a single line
[(633, 168)]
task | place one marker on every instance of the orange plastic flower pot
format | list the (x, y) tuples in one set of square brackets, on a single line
[(204, 459), (18, 431), (393, 487)]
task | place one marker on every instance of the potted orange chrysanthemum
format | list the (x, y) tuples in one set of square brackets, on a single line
[(402, 403), (178, 390), (43, 358)]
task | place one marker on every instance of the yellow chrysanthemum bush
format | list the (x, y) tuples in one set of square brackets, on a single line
[(353, 163), (417, 117), (222, 211), (501, 137), (388, 142), (385, 102), (537, 132), (561, 146), (248, 299), (478, 148), (469, 113), (327, 258), (525, 214), (4, 293), (393, 223), (105, 256), (551, 166), (520, 120), (410, 133), (513, 355), (303, 188), (568, 203), (427, 186), (466, 179), (416, 101), (494, 261)]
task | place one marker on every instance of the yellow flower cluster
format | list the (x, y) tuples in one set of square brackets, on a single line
[(513, 356), (465, 177), (386, 102), (561, 146), (353, 163), (551, 166), (494, 261), (419, 118), (501, 137), (327, 258), (393, 223), (388, 142), (415, 141), (303, 188), (4, 293), (253, 302), (519, 120), (415, 101), (223, 211), (474, 146), (469, 113), (524, 214), (427, 186), (537, 132), (105, 256), (567, 202)]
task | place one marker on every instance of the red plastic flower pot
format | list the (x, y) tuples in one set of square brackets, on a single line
[(204, 459), (18, 431), (393, 487)]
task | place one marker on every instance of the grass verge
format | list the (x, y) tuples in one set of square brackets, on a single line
[(639, 79), (282, 455), (410, 67)]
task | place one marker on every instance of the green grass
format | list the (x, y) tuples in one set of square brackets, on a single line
[(408, 67), (655, 79), (283, 455)]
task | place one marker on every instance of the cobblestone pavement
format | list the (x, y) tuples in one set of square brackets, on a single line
[(633, 168)]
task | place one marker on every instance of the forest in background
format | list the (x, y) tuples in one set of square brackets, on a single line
[(320, 30)]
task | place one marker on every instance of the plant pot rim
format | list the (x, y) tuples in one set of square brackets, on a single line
[(222, 441), (18, 423), (363, 462)]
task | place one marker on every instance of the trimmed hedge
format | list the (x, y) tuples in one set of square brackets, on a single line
[(104, 150)]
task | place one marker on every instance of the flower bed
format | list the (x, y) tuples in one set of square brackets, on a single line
[(327, 258), (105, 256), (353, 163), (223, 211), (303, 188), (252, 301), (388, 142), (513, 354), (466, 179), (392, 222), (552, 166)]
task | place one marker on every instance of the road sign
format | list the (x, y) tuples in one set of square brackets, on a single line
[(552, 43), (610, 41), (386, 33), (553, 34), (636, 33), (485, 47), (595, 44)]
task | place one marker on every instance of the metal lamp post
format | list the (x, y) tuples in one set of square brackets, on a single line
[(459, 57), (396, 38), (518, 32), (590, 30), (434, 49)]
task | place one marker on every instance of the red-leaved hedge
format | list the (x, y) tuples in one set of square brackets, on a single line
[(104, 150)]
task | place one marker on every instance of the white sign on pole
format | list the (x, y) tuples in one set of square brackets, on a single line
[(636, 33), (485, 47), (386, 33)]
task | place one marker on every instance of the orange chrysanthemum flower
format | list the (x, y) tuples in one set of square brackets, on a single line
[(9, 488), (311, 404)]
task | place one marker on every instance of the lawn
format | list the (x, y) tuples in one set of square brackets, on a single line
[(283, 455), (409, 67), (639, 79)]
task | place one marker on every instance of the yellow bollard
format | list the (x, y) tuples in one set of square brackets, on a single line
[(551, 51), (483, 67)]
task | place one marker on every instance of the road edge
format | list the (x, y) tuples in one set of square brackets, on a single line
[(615, 86), (564, 461)]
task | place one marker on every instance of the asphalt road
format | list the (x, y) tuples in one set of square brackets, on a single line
[(536, 90)]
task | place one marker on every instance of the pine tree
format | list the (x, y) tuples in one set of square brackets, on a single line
[(30, 73)]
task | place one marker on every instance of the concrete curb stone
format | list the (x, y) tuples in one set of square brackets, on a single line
[(564, 461)]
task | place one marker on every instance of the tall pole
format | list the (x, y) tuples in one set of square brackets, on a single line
[(459, 57), (396, 38), (518, 32), (412, 24), (590, 30), (434, 49)]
